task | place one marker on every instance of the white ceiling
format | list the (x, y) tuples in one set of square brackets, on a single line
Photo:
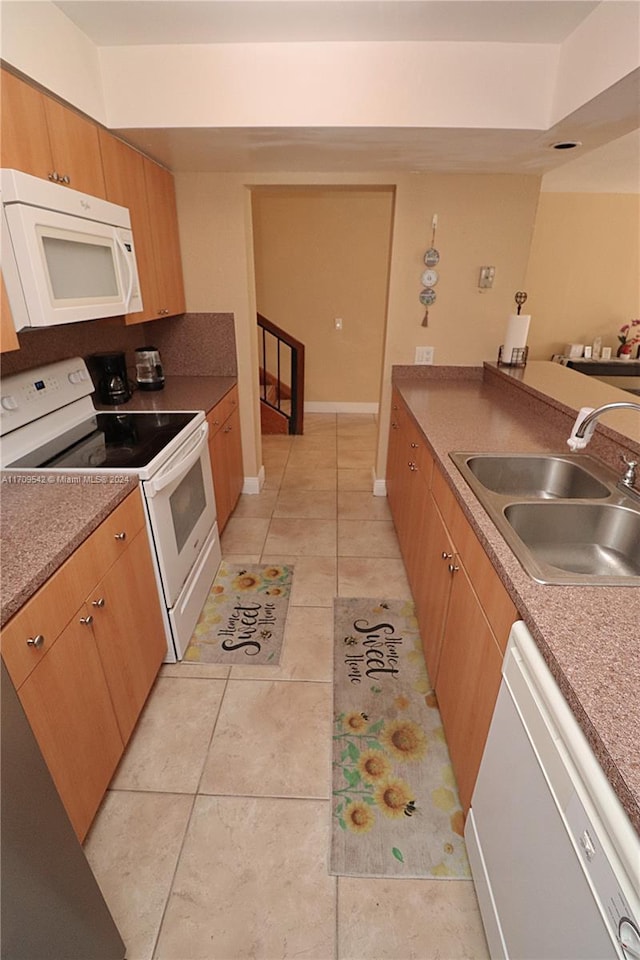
[(602, 122), (125, 22)]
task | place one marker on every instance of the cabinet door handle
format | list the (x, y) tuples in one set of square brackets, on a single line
[(447, 556), (98, 603), (414, 445), (227, 430), (36, 641), (65, 179), (412, 466), (394, 426), (54, 176), (453, 568), (120, 536), (87, 621)]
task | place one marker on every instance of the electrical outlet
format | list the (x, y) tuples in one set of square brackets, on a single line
[(424, 355)]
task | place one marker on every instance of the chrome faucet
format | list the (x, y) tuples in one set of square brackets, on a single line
[(586, 422), (583, 431)]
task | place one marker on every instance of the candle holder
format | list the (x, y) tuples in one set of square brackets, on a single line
[(518, 357)]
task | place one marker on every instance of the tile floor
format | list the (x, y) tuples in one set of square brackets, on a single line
[(212, 841)]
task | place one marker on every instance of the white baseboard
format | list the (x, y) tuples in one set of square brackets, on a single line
[(331, 406), (254, 485), (379, 486)]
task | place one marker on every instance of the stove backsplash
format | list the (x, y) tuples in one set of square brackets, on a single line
[(194, 344)]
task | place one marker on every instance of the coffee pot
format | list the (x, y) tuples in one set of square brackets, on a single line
[(149, 372), (110, 377)]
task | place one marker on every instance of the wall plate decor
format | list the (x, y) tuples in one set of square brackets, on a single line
[(429, 276), (427, 297)]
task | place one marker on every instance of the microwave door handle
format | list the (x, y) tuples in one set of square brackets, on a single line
[(125, 257), (194, 453)]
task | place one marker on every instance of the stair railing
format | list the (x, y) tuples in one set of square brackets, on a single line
[(282, 354)]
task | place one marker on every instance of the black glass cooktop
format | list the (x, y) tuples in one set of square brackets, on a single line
[(109, 441)]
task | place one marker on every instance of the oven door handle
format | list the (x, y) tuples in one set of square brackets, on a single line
[(164, 478)]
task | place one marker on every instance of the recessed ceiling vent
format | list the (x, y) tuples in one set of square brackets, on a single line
[(566, 144)]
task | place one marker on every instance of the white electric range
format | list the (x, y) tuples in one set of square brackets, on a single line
[(48, 424)]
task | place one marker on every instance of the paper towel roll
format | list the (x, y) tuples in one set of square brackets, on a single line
[(516, 336)]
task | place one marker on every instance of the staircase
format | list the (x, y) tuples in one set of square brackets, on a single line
[(281, 380)]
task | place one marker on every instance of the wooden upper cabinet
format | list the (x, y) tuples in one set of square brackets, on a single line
[(25, 138), (163, 222), (8, 335), (75, 149), (125, 184), (46, 139)]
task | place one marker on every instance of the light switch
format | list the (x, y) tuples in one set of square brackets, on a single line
[(487, 276)]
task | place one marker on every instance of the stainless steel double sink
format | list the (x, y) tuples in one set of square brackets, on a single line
[(562, 515)]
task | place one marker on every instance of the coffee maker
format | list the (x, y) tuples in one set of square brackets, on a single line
[(149, 372), (109, 372)]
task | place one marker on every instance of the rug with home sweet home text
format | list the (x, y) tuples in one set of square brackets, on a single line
[(244, 617), (395, 806)]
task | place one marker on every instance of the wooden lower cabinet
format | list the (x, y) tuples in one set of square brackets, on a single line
[(468, 682), (463, 610), (225, 451), (432, 593), (83, 654), (68, 704), (129, 631)]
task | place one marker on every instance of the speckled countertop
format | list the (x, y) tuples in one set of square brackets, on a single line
[(178, 393), (589, 636), (43, 518)]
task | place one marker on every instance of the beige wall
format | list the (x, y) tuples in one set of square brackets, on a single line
[(323, 253), (482, 220), (583, 277)]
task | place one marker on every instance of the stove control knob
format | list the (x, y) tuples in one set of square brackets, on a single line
[(76, 376), (629, 938), (9, 403)]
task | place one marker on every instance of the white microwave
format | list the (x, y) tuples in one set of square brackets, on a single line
[(65, 256)]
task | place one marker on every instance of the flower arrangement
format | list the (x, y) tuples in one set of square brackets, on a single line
[(627, 337)]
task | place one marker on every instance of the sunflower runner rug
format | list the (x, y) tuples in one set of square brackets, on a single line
[(244, 617), (395, 807)]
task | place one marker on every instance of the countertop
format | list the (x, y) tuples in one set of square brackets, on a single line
[(589, 636), (178, 393), (44, 517)]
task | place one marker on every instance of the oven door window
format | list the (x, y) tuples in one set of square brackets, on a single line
[(187, 504)]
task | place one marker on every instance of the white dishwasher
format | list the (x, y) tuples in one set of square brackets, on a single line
[(554, 857)]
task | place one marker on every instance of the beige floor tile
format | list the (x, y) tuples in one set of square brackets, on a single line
[(311, 504), (302, 538), (252, 882), (409, 920), (133, 849), (312, 456), (356, 478), (244, 535), (363, 577), (309, 478), (272, 739), (273, 478), (367, 538), (315, 423), (169, 745), (314, 579), (199, 671), (256, 505), (358, 505), (356, 459), (307, 653)]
